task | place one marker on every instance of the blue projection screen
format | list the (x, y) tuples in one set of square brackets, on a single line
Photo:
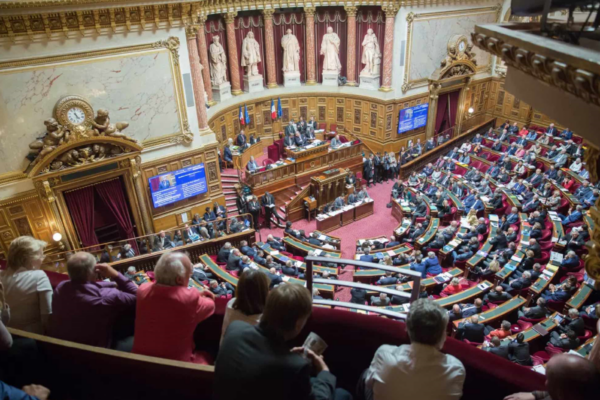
[(413, 118), (178, 185)]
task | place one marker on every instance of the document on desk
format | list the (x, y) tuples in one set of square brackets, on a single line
[(322, 237)]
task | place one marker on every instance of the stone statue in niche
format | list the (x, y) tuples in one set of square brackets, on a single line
[(56, 135), (250, 54), (371, 55), (291, 52), (101, 126), (330, 49), (218, 62)]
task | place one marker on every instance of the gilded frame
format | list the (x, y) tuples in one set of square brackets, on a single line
[(170, 45), (411, 18)]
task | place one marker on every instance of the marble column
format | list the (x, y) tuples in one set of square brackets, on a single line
[(270, 48), (196, 73), (234, 64), (388, 48), (311, 63), (351, 12), (203, 52)]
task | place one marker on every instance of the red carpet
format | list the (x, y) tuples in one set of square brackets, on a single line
[(380, 223)]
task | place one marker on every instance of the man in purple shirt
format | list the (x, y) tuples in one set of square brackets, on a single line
[(84, 310)]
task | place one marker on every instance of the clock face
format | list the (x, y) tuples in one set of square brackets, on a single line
[(76, 116), (462, 46)]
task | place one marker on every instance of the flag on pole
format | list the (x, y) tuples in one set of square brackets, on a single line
[(246, 115), (279, 110), (273, 111), (242, 121)]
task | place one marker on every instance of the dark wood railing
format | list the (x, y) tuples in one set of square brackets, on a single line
[(419, 163)]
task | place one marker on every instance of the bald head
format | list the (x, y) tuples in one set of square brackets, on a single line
[(571, 377)]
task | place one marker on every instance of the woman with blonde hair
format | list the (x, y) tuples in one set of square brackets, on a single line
[(27, 289), (249, 301), (387, 260)]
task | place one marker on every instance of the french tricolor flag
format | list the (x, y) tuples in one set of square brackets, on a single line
[(273, 110), (242, 119)]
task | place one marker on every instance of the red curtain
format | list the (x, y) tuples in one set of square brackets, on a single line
[(111, 192), (441, 117), (281, 23), (336, 18), (215, 26), (244, 24), (368, 18), (453, 109), (81, 207)]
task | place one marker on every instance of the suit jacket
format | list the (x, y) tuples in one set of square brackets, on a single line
[(564, 343), (227, 155), (223, 255), (501, 351), (359, 296), (495, 296), (254, 363), (520, 283), (335, 142), (275, 279), (288, 141), (519, 353), (536, 312), (576, 325), (471, 332), (233, 262), (241, 140)]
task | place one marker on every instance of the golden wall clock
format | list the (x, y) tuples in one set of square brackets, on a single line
[(74, 112)]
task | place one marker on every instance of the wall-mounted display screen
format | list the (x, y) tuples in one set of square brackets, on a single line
[(413, 118), (170, 187)]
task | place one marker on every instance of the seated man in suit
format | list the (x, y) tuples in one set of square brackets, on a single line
[(224, 252), (471, 330), (363, 194), (574, 215), (518, 351), (495, 347), (561, 159), (414, 235), (227, 154), (161, 242), (314, 239), (252, 165), (299, 140), (566, 341), (561, 292), (496, 295), (519, 283), (247, 250), (536, 312), (359, 296), (573, 322), (387, 279), (259, 257), (288, 141), (233, 261), (380, 301), (336, 142), (469, 310), (339, 203), (571, 260), (455, 313), (393, 242), (221, 289), (481, 227), (574, 240), (254, 358), (366, 257), (397, 372)]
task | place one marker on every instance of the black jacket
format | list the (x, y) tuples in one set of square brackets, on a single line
[(576, 325), (519, 353), (536, 312), (501, 351), (256, 364), (471, 332), (359, 296)]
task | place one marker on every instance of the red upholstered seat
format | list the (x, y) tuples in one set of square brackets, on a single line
[(267, 162), (552, 350), (343, 139), (546, 247), (213, 257), (557, 306), (541, 357), (530, 320), (587, 335), (287, 254), (545, 235), (55, 278), (322, 125), (475, 344), (333, 128), (543, 259), (446, 219), (273, 152)]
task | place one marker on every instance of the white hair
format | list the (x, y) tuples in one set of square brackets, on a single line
[(169, 267), (131, 270)]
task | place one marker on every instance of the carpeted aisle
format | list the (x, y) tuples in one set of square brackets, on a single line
[(380, 223)]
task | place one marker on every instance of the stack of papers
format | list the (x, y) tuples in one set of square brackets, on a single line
[(322, 237)]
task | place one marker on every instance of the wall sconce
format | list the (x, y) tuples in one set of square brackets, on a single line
[(57, 237), (471, 110)]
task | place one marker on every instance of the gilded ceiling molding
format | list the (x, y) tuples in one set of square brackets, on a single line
[(535, 61)]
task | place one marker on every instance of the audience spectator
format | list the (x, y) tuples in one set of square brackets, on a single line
[(407, 370), (256, 362), (167, 312), (495, 347), (518, 351), (85, 309), (27, 289)]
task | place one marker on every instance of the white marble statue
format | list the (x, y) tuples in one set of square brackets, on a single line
[(330, 49), (218, 62), (291, 52), (250, 54), (371, 55)]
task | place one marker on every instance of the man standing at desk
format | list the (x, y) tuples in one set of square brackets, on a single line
[(335, 142), (290, 130), (268, 202), (254, 209), (298, 140), (301, 125), (312, 123), (241, 139), (339, 203), (252, 165)]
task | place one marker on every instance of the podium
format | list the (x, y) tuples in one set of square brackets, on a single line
[(329, 185)]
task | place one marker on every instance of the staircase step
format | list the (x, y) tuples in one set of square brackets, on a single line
[(282, 209), (229, 176), (229, 191), (230, 197), (230, 204)]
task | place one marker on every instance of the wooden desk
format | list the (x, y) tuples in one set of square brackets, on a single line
[(531, 334), (580, 297), (218, 271), (241, 160), (399, 211), (347, 217), (509, 268), (330, 223), (431, 282), (494, 314), (573, 201), (401, 229), (363, 210), (304, 248), (485, 249), (464, 296), (453, 244), (585, 349), (428, 234), (329, 239), (304, 154), (542, 282)]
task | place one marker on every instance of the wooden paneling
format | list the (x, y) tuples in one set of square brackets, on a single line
[(375, 122), (170, 216), (26, 214)]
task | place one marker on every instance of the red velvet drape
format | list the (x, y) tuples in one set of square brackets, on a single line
[(336, 18), (111, 192), (441, 120), (81, 207), (244, 24), (368, 18), (215, 26), (281, 23), (453, 99)]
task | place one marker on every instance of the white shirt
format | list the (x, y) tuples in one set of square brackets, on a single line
[(29, 295), (414, 371)]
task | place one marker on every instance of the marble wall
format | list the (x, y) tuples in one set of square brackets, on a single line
[(119, 84), (426, 30)]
